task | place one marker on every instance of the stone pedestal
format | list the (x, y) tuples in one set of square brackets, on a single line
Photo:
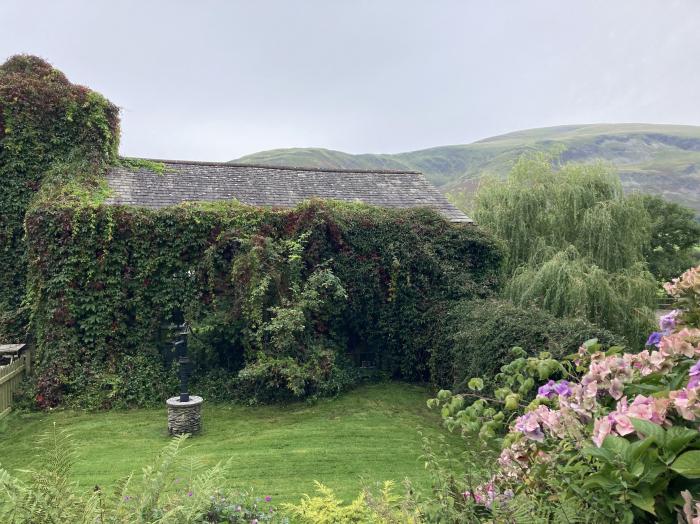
[(184, 417)]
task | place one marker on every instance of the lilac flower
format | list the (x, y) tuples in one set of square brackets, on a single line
[(268, 498), (529, 426), (552, 388), (694, 373), (562, 388), (667, 323), (654, 339), (189, 494), (547, 390)]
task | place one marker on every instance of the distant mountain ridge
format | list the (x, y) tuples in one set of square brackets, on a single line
[(650, 158)]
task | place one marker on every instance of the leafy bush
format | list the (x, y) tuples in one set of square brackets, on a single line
[(675, 231), (325, 508), (352, 279), (477, 337), (611, 435)]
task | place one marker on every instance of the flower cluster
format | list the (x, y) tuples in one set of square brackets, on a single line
[(560, 423), (551, 388), (688, 282), (618, 421), (487, 494)]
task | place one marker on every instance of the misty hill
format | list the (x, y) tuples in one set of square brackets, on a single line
[(652, 158)]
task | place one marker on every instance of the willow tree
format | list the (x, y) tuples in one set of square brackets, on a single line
[(575, 244)]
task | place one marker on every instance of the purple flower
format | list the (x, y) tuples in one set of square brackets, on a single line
[(552, 388), (268, 498), (654, 339), (529, 426), (562, 388), (189, 494), (127, 498), (547, 390), (667, 323), (694, 373)]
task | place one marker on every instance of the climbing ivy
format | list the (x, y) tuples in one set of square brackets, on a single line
[(282, 303), (301, 286), (49, 128)]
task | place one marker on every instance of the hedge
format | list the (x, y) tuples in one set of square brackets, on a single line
[(476, 338)]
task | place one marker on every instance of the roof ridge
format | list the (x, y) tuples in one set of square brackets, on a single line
[(282, 168)]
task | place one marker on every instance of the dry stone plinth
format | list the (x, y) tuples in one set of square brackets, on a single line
[(184, 417)]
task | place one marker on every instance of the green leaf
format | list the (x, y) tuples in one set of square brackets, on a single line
[(476, 384), (600, 480), (617, 445), (643, 502), (649, 429), (600, 453), (636, 449), (677, 438), (688, 464)]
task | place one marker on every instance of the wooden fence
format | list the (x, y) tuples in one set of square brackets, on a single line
[(10, 377)]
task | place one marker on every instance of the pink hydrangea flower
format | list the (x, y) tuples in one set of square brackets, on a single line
[(619, 421)]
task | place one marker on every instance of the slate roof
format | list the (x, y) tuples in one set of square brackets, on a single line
[(274, 186)]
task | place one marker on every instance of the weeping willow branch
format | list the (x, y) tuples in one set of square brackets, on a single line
[(575, 243)]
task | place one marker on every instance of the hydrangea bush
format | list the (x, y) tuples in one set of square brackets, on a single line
[(608, 434)]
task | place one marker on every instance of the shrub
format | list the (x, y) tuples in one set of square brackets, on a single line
[(384, 507), (477, 337), (352, 279), (607, 436)]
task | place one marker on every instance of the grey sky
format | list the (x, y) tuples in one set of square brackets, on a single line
[(214, 80)]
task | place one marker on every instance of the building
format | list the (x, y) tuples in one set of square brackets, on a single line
[(272, 186)]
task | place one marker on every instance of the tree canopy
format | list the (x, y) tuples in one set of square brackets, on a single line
[(575, 244)]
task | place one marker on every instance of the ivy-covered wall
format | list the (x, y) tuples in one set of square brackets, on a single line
[(283, 304), (104, 280), (48, 128)]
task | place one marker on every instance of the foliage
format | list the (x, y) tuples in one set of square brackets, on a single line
[(539, 209), (674, 233), (320, 284), (614, 433), (45, 122), (384, 507), (569, 285), (575, 243), (171, 490), (478, 336), (303, 283)]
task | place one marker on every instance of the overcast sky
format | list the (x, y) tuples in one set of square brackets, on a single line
[(214, 80)]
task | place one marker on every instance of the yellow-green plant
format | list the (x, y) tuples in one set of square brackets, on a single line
[(385, 507)]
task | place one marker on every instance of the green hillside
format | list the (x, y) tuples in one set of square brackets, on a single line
[(653, 158)]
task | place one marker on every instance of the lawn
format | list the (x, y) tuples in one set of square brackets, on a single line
[(369, 433)]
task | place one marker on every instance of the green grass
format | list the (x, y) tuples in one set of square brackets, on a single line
[(369, 433)]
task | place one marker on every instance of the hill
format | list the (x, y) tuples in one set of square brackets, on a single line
[(651, 158)]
